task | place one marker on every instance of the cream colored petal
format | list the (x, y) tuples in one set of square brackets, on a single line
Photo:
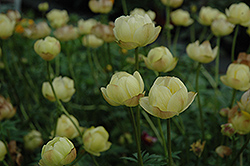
[(116, 93), (224, 80), (147, 63), (127, 45), (143, 34), (140, 80), (110, 101), (134, 101), (157, 31), (175, 84), (191, 96), (123, 31), (178, 101), (132, 86), (172, 66)]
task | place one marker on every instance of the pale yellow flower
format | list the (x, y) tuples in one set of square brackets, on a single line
[(222, 27), (3, 150), (7, 26), (180, 17), (37, 31), (57, 18), (7, 110), (241, 122), (85, 26), (91, 41), (101, 6), (244, 102), (32, 140), (66, 33), (142, 12), (43, 6), (172, 3), (208, 14)]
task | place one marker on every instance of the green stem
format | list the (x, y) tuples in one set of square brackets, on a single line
[(163, 139), (241, 150), (199, 102), (192, 33), (60, 106), (167, 25), (234, 42), (233, 98), (138, 115), (5, 163), (138, 145), (178, 29), (124, 7), (94, 160), (203, 32), (217, 63), (169, 143), (57, 64), (109, 54), (136, 59)]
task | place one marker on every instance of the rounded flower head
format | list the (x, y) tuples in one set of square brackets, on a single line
[(207, 15), (202, 53), (124, 89), (48, 48), (64, 89), (3, 151), (65, 128), (142, 12), (7, 26), (14, 15), (241, 122), (180, 17), (37, 31), (135, 31), (160, 59), (85, 27), (244, 103), (91, 41), (58, 18), (239, 14), (222, 27), (167, 97), (57, 152), (6, 109), (104, 32), (43, 6), (32, 140), (172, 3), (237, 77), (95, 140), (101, 6), (66, 33)]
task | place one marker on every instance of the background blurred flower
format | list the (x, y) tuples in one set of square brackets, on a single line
[(7, 110), (180, 17), (221, 27), (223, 151), (202, 53), (3, 150), (101, 6), (142, 12), (57, 18), (244, 102), (95, 140), (7, 26), (105, 32), (91, 41), (66, 33), (135, 31), (85, 26), (37, 31), (208, 14), (32, 140), (167, 97), (172, 3), (124, 89), (227, 129), (14, 15), (241, 122), (197, 147), (43, 6)]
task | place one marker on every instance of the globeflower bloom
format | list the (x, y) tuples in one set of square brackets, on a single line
[(207, 15), (221, 27), (3, 150), (32, 140), (43, 6), (37, 31), (135, 31), (244, 102), (124, 89), (202, 53), (58, 152), (85, 26), (91, 41), (167, 97), (172, 3), (237, 77), (95, 140), (180, 17), (7, 26), (142, 12), (64, 89), (57, 18), (241, 122), (160, 59), (7, 110), (48, 48), (66, 33), (101, 6), (104, 32)]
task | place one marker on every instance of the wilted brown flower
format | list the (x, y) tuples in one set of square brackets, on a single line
[(7, 110), (223, 151), (243, 58), (197, 147), (105, 32), (66, 33), (37, 31)]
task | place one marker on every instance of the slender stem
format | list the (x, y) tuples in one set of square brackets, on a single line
[(234, 42), (241, 155), (124, 7), (57, 64), (198, 99), (204, 31), (109, 54), (241, 150), (138, 115), (138, 145), (192, 33), (5, 163), (94, 160), (136, 59), (163, 139), (167, 25), (169, 143), (233, 98), (60, 106), (178, 29), (217, 62)]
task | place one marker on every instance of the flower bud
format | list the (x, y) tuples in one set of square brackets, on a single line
[(43, 7), (48, 48), (224, 112), (223, 151), (65, 128), (3, 150), (180, 17), (172, 3), (167, 97), (142, 12), (124, 89), (160, 59), (135, 31), (57, 152), (95, 140), (32, 140), (7, 26), (227, 129), (207, 15), (241, 122), (57, 18), (244, 102), (202, 53), (64, 89), (104, 32), (125, 138), (6, 109), (197, 147), (237, 77), (91, 41), (37, 31), (66, 33), (222, 27), (101, 6), (85, 27), (239, 14)]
